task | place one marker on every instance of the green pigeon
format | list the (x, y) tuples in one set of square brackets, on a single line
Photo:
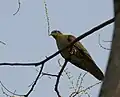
[(77, 54)]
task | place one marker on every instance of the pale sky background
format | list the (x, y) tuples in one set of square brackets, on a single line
[(27, 41)]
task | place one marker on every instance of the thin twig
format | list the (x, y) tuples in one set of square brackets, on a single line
[(78, 80), (82, 78), (5, 93), (73, 94), (47, 17), (67, 73), (48, 74), (3, 42), (18, 7), (9, 90), (35, 82), (78, 86), (101, 45), (106, 41), (88, 88)]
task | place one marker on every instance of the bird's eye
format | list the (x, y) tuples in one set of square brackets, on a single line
[(59, 32), (56, 31)]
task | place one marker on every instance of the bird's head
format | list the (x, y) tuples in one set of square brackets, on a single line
[(55, 33)]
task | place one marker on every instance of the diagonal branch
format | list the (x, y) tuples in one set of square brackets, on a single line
[(53, 55), (58, 78), (81, 37), (35, 82), (3, 42)]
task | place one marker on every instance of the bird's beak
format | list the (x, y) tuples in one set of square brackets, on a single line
[(53, 35)]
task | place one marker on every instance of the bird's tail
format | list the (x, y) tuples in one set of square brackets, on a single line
[(96, 72)]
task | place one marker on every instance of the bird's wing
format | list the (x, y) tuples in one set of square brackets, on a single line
[(82, 59), (80, 50)]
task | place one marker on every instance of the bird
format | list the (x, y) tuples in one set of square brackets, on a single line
[(77, 54)]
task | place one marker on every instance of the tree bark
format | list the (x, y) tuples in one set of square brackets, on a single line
[(111, 84)]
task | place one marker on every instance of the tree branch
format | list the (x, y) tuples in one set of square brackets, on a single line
[(53, 55), (18, 7), (35, 82), (58, 78)]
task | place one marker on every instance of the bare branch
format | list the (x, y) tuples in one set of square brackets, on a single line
[(78, 86), (9, 90), (20, 64), (35, 82), (58, 78), (5, 93), (78, 80), (3, 42), (82, 78), (106, 41), (18, 7), (48, 74), (101, 45), (47, 17), (88, 88), (69, 76), (73, 94)]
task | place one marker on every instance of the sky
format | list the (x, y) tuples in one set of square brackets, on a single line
[(27, 40)]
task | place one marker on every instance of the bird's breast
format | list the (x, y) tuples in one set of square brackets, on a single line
[(62, 44)]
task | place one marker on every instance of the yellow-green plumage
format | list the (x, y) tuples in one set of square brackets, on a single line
[(77, 54)]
